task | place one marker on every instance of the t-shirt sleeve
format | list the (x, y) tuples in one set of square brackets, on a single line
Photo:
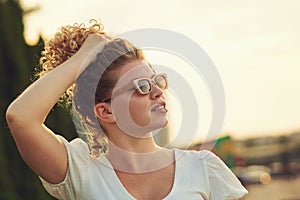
[(78, 155), (223, 183)]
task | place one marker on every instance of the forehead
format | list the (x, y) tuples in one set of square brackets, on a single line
[(135, 69)]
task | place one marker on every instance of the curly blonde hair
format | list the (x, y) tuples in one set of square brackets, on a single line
[(64, 44), (95, 83)]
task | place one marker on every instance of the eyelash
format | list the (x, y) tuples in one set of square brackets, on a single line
[(132, 88)]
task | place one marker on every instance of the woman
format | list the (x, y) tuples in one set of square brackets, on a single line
[(117, 95)]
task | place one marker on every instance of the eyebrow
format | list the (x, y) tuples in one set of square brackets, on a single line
[(130, 83), (143, 77)]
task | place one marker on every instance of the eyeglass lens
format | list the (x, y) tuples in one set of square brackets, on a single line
[(145, 84)]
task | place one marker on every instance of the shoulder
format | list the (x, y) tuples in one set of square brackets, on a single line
[(208, 167), (76, 145), (203, 158), (78, 154), (196, 155), (78, 164)]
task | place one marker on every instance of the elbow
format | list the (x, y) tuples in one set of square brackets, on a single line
[(13, 119), (14, 114), (10, 114), (16, 117)]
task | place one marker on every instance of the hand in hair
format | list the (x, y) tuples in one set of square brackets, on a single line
[(93, 44), (61, 60)]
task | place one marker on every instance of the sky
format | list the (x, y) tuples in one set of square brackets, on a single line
[(254, 44)]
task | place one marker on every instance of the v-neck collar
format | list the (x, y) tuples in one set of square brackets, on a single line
[(122, 191)]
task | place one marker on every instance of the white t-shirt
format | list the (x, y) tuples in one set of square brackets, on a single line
[(198, 175)]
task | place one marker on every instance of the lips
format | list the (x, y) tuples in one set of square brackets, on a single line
[(161, 107)]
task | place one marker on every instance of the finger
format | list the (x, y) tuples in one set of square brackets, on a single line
[(91, 56)]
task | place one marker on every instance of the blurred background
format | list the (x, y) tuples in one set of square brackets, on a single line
[(255, 46)]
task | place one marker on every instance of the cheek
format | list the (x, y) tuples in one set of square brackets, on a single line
[(139, 111)]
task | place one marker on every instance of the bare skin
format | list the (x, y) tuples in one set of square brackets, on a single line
[(152, 185)]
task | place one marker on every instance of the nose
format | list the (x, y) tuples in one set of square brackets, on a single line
[(156, 92)]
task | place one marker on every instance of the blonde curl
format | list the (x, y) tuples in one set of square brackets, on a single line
[(64, 44)]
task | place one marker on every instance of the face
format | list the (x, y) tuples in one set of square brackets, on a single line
[(136, 113)]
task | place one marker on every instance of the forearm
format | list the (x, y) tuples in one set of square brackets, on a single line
[(33, 105), (37, 100), (44, 152)]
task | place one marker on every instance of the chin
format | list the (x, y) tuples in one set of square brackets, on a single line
[(166, 123), (162, 124)]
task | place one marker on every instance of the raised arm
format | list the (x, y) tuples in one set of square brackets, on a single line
[(38, 145)]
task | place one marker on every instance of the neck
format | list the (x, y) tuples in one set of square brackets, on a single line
[(137, 155), (128, 142)]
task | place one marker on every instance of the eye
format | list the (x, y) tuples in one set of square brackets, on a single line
[(161, 82), (144, 86), (132, 88)]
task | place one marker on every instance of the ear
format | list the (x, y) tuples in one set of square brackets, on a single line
[(104, 113)]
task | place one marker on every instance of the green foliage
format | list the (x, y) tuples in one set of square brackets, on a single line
[(17, 63)]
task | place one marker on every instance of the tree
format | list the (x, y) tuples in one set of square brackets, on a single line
[(17, 63)]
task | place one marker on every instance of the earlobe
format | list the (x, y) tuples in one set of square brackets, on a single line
[(103, 112)]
